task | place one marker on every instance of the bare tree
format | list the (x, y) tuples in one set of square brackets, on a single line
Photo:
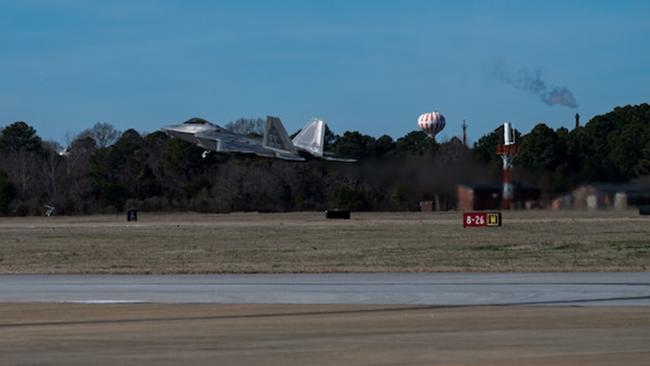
[(51, 168), (103, 133), (78, 181), (247, 126)]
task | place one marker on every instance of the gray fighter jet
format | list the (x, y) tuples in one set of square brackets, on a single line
[(275, 143)]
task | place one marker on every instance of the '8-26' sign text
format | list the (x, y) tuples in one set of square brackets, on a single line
[(482, 219)]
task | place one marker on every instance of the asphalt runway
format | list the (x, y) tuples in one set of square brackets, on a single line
[(327, 319), (435, 289), (234, 335)]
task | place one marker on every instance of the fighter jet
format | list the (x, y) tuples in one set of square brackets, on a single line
[(275, 143)]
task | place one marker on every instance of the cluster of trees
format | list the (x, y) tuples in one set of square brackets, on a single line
[(613, 147), (105, 171)]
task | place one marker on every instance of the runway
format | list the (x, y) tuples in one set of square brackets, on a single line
[(434, 289)]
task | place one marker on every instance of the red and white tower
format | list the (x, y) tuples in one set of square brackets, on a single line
[(507, 151)]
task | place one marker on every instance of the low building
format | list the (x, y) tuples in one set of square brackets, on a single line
[(426, 206), (480, 197), (607, 195)]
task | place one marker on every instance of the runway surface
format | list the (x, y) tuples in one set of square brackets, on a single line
[(444, 289)]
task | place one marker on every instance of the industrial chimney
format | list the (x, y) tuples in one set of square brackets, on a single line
[(577, 120)]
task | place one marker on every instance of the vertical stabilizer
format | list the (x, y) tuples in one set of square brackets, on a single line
[(312, 137), (275, 136)]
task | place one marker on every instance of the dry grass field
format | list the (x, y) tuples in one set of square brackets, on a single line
[(306, 242)]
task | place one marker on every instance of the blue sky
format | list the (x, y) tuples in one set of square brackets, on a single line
[(371, 66)]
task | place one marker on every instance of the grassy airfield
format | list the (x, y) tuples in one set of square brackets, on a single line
[(306, 242)]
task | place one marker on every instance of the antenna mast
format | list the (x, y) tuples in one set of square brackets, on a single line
[(464, 133), (507, 151)]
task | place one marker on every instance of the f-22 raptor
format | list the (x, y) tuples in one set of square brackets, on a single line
[(276, 144)]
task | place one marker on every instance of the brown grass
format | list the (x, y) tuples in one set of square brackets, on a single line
[(306, 242)]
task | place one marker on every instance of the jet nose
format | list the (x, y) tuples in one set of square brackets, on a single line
[(170, 128), (174, 130), (179, 131)]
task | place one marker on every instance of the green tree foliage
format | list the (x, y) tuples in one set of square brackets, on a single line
[(22, 152), (354, 144), (147, 184), (642, 168), (183, 170), (615, 143), (157, 172), (542, 152), (383, 146), (416, 142), (19, 136), (402, 197), (539, 149), (485, 148), (116, 169), (330, 138), (78, 196), (360, 146), (612, 147), (625, 149), (354, 198)]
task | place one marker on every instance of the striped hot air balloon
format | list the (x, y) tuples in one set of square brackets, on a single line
[(431, 123)]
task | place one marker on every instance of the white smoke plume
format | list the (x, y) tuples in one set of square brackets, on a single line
[(532, 81)]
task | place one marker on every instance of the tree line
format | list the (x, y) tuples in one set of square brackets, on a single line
[(103, 170)]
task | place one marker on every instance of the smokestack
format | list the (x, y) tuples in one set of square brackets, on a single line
[(464, 133), (577, 120)]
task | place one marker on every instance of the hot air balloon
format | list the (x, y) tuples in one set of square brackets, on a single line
[(431, 123)]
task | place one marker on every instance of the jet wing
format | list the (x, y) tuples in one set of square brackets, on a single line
[(289, 156), (228, 143), (207, 142)]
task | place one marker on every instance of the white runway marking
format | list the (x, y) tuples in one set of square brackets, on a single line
[(101, 302)]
